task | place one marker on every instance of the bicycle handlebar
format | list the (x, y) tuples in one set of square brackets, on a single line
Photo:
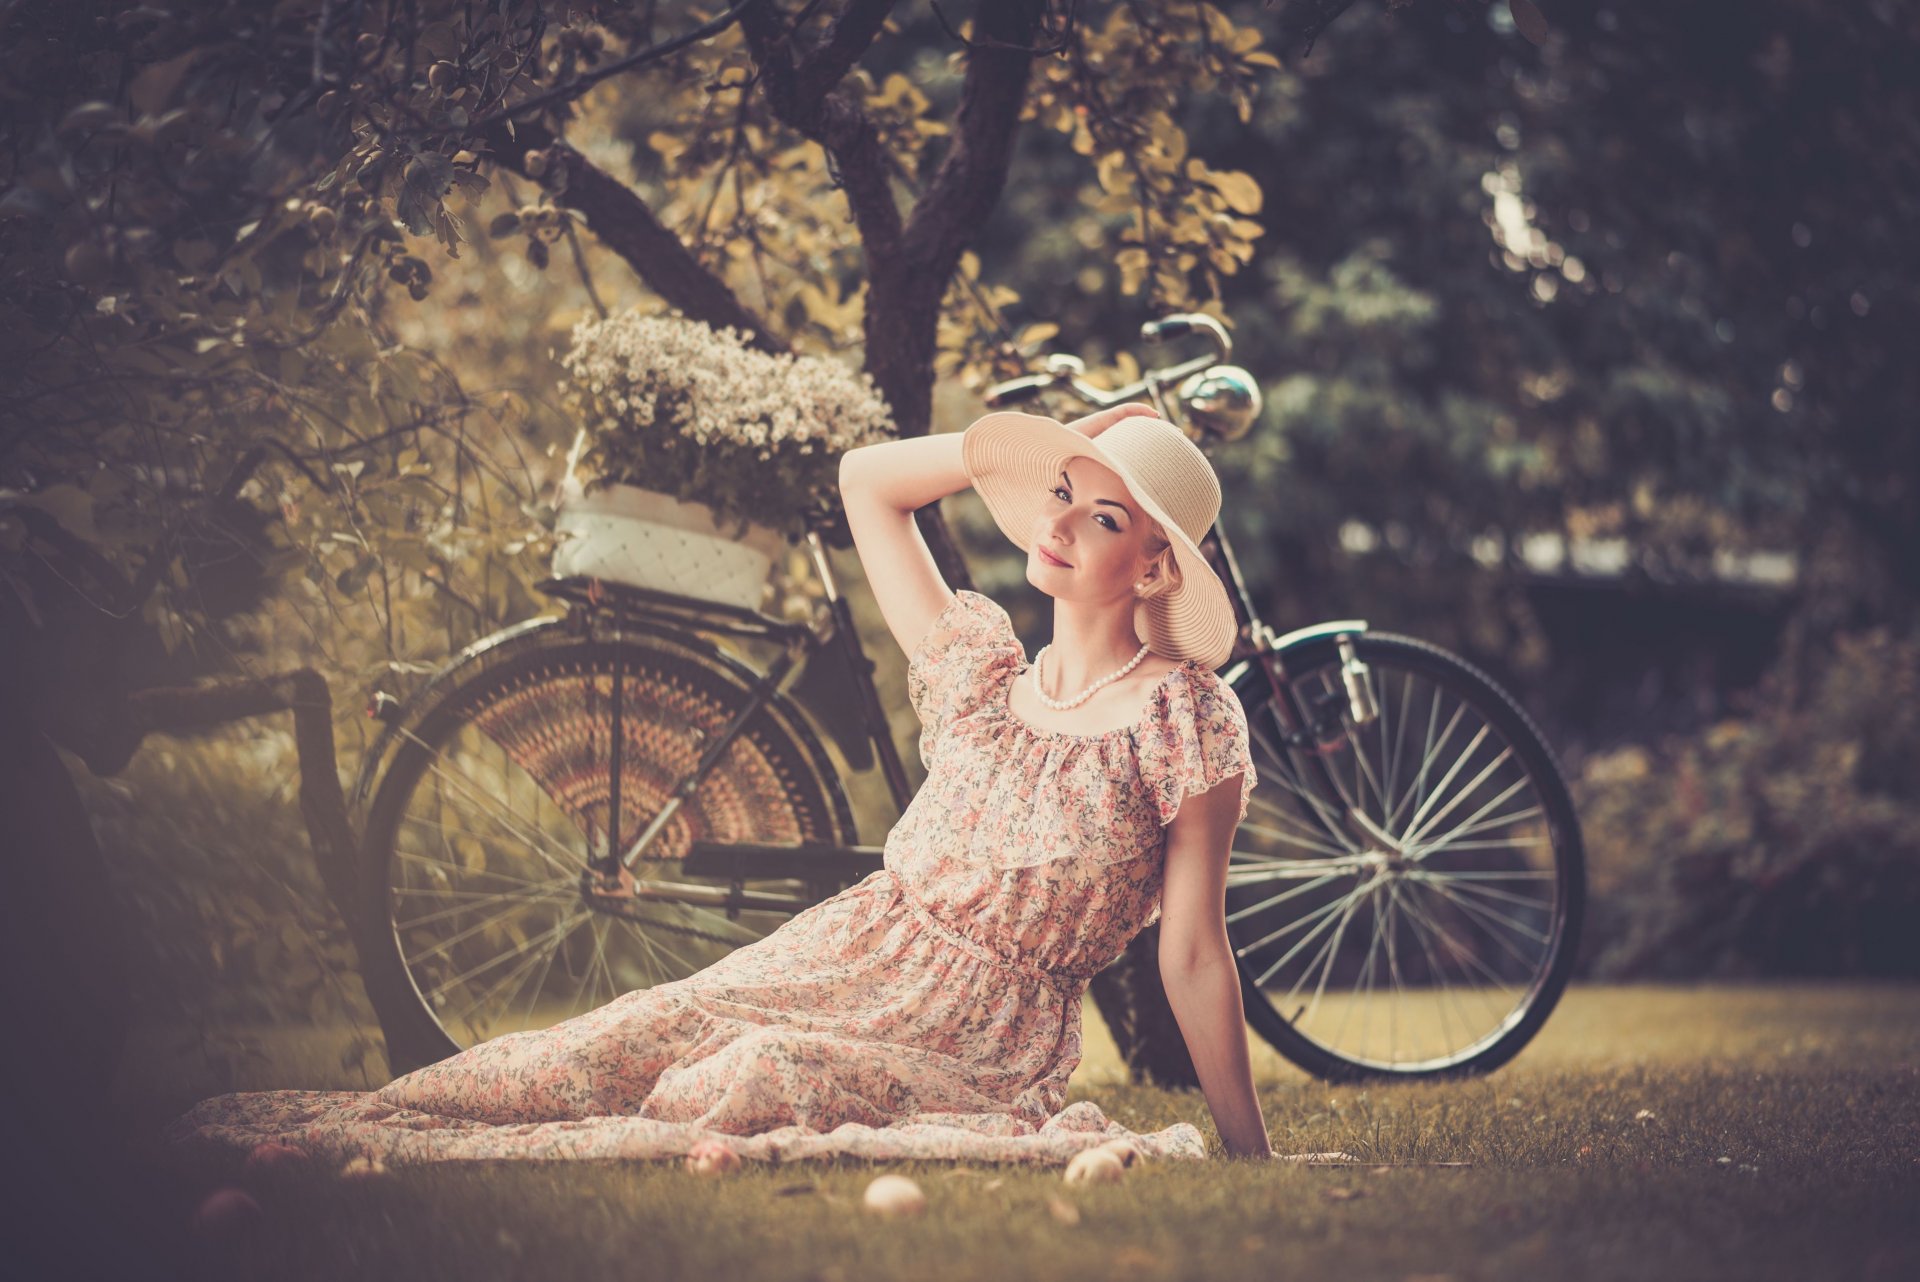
[(1063, 369)]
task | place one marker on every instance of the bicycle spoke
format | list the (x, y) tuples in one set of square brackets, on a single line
[(1282, 771), (1489, 892), (1439, 789), (1483, 825), (1459, 950), (655, 947), (438, 893), (1413, 839), (1414, 919), (1417, 793), (1309, 842), (481, 902), (597, 968), (1296, 924), (485, 807), (1393, 969), (1332, 951), (1348, 803), (414, 857), (1495, 914), (1492, 843), (464, 976), (465, 1017), (1326, 919), (589, 976), (1506, 945), (1366, 977), (450, 941), (1241, 913), (1391, 754), (1520, 874), (546, 968), (1366, 770)]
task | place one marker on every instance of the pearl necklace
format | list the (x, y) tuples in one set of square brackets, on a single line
[(1063, 704)]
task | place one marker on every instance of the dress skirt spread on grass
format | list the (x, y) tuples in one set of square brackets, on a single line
[(932, 1010)]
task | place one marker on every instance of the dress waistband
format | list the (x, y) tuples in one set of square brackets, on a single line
[(1067, 983)]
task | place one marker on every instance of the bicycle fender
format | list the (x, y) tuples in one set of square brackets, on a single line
[(1241, 672), (1316, 632)]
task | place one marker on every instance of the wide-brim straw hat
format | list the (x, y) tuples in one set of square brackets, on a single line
[(1015, 460)]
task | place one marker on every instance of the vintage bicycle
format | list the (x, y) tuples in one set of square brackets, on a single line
[(610, 799)]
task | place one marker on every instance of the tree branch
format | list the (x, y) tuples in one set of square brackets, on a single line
[(1303, 22), (910, 278), (802, 99), (973, 173), (845, 41), (624, 224), (639, 58)]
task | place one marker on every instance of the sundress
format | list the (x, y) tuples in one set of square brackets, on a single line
[(930, 1011)]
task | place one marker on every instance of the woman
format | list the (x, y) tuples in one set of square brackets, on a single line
[(932, 1010)]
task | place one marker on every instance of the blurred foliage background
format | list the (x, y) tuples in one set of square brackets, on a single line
[(1580, 326)]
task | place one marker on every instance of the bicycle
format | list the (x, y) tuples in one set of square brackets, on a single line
[(610, 798)]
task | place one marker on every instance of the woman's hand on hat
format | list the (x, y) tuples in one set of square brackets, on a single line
[(1099, 421)]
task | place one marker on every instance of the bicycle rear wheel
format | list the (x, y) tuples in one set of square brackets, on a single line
[(1404, 898), (480, 830)]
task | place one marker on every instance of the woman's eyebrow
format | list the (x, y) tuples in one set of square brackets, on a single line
[(1109, 502)]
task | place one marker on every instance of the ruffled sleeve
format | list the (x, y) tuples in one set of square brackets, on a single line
[(1197, 737), (963, 660)]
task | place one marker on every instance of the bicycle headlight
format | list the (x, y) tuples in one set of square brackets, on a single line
[(1222, 400)]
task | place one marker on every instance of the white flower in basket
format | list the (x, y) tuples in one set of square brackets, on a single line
[(699, 455)]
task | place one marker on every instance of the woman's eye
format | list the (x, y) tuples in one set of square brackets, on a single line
[(1102, 517)]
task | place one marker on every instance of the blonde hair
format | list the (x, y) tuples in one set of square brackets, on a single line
[(1161, 561)]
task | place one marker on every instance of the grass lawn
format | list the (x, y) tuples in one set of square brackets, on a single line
[(1700, 1132)]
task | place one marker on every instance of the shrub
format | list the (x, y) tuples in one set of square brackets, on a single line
[(1786, 842)]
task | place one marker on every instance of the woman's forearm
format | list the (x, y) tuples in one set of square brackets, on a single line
[(905, 474), (1206, 1001)]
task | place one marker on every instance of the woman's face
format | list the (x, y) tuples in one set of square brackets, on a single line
[(1090, 522)]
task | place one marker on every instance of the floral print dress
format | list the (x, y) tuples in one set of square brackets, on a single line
[(932, 1010)]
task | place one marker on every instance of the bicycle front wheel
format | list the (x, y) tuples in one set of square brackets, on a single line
[(479, 835), (1404, 897)]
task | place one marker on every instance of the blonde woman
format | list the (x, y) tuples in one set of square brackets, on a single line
[(1112, 766), (932, 1009)]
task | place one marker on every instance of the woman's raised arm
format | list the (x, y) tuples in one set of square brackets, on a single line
[(881, 486)]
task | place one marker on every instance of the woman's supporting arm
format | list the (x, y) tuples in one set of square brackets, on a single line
[(1205, 997), (1197, 965)]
